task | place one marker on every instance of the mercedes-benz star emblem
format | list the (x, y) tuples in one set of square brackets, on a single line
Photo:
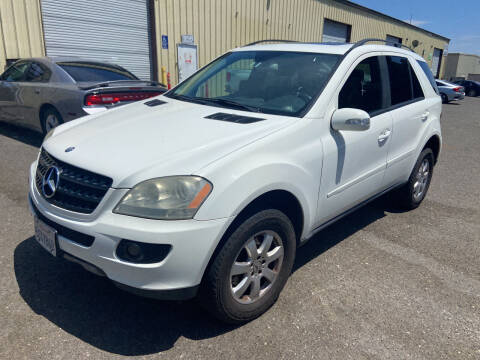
[(70, 148), (50, 182)]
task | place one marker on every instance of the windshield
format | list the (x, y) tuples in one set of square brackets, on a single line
[(85, 71), (274, 82)]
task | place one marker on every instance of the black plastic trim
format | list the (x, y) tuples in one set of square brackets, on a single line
[(154, 102), (173, 294), (234, 118)]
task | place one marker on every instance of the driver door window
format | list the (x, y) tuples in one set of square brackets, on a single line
[(363, 89), (16, 72)]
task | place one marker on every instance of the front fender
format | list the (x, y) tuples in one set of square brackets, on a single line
[(237, 187)]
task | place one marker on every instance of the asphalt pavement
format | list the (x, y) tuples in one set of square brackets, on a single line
[(379, 284)]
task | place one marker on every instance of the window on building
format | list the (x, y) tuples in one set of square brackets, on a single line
[(363, 88), (392, 40), (334, 31)]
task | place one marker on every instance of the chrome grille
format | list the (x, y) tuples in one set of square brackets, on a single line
[(78, 190)]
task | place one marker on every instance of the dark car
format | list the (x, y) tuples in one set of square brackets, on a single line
[(472, 88), (42, 93)]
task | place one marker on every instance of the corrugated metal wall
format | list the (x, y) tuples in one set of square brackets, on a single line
[(21, 30), (219, 25)]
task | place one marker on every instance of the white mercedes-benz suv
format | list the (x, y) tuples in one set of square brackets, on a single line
[(209, 189)]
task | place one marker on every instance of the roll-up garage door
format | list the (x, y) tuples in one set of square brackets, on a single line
[(334, 31), (114, 31), (437, 54)]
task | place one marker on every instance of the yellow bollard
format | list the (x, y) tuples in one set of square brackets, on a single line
[(164, 75)]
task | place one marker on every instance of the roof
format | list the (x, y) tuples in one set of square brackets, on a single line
[(326, 48), (390, 18), (299, 47)]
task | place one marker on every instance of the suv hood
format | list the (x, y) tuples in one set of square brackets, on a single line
[(136, 142)]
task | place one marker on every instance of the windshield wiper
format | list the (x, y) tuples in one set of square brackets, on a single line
[(227, 102)]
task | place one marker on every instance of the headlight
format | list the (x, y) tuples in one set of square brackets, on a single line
[(168, 198)]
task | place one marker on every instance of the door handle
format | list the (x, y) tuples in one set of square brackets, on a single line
[(424, 116), (37, 91), (384, 135)]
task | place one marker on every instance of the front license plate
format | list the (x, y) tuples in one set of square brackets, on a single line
[(46, 236)]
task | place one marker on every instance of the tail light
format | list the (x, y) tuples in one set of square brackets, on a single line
[(113, 98), (457, 89)]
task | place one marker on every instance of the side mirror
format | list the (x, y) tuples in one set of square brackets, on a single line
[(350, 120)]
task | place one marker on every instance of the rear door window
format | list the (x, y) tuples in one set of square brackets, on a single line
[(38, 73), (88, 72), (404, 84), (428, 73)]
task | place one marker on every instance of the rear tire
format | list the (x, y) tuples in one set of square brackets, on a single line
[(239, 286), (49, 119), (472, 93), (411, 195)]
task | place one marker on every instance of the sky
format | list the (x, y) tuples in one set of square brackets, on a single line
[(457, 20)]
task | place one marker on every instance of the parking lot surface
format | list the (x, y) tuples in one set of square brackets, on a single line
[(379, 284)]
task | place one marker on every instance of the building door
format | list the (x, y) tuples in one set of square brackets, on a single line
[(334, 31), (436, 59), (111, 31)]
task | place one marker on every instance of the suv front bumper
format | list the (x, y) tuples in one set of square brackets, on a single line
[(175, 277)]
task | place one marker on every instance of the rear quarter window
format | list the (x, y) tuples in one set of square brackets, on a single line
[(428, 73)]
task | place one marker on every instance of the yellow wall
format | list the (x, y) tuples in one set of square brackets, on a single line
[(219, 25), (20, 29)]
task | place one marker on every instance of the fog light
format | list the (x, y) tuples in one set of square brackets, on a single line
[(134, 250), (142, 253)]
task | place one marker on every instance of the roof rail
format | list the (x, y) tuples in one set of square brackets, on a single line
[(364, 41), (271, 40)]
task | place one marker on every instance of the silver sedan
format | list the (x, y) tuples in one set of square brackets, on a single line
[(41, 93), (449, 91)]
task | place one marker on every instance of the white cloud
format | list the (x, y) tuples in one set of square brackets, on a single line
[(417, 22)]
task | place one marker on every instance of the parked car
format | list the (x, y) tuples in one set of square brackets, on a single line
[(211, 194), (42, 93), (472, 88), (449, 91)]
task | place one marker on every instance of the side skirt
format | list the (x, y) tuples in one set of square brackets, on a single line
[(353, 209)]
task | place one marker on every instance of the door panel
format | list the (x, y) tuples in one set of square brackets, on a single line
[(355, 161), (10, 92), (409, 120)]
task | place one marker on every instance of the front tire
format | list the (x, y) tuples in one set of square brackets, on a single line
[(248, 273), (411, 195), (444, 98), (472, 93), (50, 118)]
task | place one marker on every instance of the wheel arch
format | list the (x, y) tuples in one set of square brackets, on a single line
[(279, 199), (434, 143)]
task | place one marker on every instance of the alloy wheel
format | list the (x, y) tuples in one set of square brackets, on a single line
[(256, 267), (421, 180), (51, 122)]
